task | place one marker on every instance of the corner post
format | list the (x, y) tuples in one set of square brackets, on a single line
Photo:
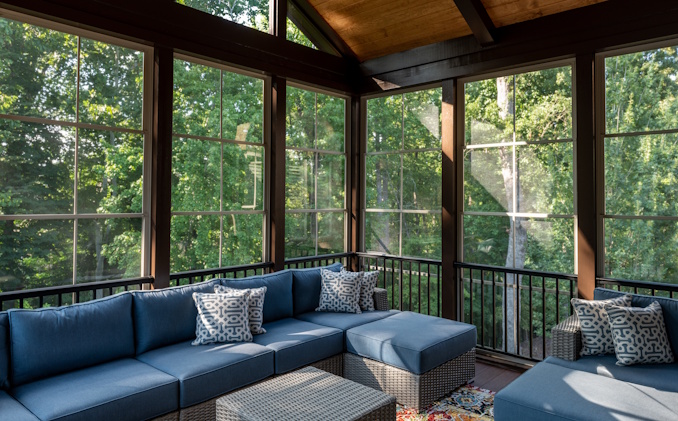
[(450, 229)]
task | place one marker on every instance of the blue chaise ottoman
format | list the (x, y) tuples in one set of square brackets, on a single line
[(414, 357)]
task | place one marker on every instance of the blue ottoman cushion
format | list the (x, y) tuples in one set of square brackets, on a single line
[(125, 389), (297, 343), (411, 341), (11, 409), (208, 371)]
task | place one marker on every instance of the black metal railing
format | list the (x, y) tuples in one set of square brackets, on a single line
[(514, 309), (413, 284), (196, 276), (655, 289), (69, 294), (315, 261)]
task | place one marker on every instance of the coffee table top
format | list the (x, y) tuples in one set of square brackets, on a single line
[(306, 394)]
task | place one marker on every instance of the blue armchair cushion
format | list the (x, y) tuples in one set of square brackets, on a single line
[(166, 316), (11, 409), (50, 341), (297, 343), (278, 303), (125, 389), (307, 287), (208, 371), (669, 310), (411, 341), (4, 351)]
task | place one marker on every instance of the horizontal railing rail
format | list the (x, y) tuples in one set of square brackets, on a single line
[(514, 310), (315, 261), (202, 275), (413, 284), (639, 287), (69, 294)]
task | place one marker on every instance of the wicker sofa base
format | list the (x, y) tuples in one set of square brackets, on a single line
[(207, 411), (414, 390), (172, 416)]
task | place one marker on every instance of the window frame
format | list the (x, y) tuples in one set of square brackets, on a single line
[(316, 152), (461, 147), (401, 153), (600, 137), (145, 130), (264, 144)]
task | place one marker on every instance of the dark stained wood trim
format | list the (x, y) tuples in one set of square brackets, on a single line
[(277, 173), (585, 160), (595, 28), (308, 28), (450, 230), (161, 165), (356, 179), (316, 21), (279, 18), (188, 30), (478, 20)]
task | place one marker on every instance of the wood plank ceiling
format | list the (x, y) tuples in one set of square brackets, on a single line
[(374, 28)]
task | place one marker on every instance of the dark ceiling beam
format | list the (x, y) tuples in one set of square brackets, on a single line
[(308, 28), (478, 20), (594, 28), (164, 22), (316, 20)]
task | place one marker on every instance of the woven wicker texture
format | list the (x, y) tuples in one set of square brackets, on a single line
[(306, 394), (566, 338), (380, 299), (173, 416), (206, 411), (414, 390)]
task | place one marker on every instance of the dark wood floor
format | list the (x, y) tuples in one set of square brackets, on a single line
[(494, 377)]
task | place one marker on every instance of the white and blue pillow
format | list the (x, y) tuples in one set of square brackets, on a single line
[(368, 281), (595, 326), (255, 307), (639, 335), (222, 318), (340, 291)]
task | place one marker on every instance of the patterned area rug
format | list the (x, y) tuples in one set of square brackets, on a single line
[(464, 404)]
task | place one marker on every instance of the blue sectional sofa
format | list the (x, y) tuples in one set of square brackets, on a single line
[(129, 356), (594, 387)]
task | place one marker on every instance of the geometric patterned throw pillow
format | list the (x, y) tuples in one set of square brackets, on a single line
[(367, 285), (340, 291), (255, 308), (640, 335), (595, 326), (221, 318)]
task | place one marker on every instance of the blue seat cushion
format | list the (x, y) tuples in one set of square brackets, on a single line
[(166, 316), (411, 341), (125, 389), (278, 298), (50, 341), (208, 371), (306, 287), (659, 376), (297, 343), (669, 310), (4, 351), (11, 409), (551, 392), (344, 321)]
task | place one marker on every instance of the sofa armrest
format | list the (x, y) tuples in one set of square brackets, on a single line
[(567, 339), (380, 299)]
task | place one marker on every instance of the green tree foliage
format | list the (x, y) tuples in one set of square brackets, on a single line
[(251, 13)]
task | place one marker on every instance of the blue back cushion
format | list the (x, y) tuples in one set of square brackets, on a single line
[(51, 341), (4, 351), (307, 287), (278, 298), (166, 316), (669, 309)]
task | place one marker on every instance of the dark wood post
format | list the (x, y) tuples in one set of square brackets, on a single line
[(277, 173), (161, 157), (356, 178), (585, 179), (450, 230)]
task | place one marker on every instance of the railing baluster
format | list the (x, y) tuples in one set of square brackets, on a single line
[(505, 313), (428, 289), (418, 287), (530, 311), (543, 317), (494, 310), (470, 297), (482, 307)]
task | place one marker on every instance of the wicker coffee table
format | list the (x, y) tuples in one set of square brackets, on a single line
[(306, 394)]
